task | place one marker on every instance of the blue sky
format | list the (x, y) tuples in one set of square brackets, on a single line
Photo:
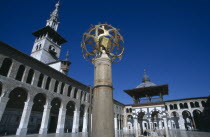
[(171, 39)]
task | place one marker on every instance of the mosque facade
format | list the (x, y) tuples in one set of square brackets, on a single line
[(37, 95)]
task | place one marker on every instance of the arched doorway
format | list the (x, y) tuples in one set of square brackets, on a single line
[(140, 120), (82, 111), (130, 122), (36, 113), (175, 119), (70, 108), (55, 103), (155, 119), (13, 111), (197, 118), (187, 120)]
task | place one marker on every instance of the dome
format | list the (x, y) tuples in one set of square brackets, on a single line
[(145, 81)]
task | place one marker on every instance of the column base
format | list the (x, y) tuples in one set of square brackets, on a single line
[(21, 131), (43, 131), (60, 130), (84, 130), (75, 130)]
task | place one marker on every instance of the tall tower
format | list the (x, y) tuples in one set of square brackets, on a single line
[(47, 45)]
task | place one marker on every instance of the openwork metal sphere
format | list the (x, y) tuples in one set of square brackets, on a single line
[(102, 37)]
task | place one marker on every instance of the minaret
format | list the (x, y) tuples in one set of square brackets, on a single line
[(53, 21), (47, 45)]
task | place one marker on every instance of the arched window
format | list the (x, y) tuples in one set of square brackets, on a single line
[(30, 76), (166, 107), (75, 93), (181, 105), (203, 103), (69, 91), (62, 87), (185, 105), (48, 83), (41, 77), (130, 110), (20, 72), (5, 67), (81, 95), (84, 99), (192, 105), (197, 104), (175, 106), (127, 110), (171, 107), (56, 86)]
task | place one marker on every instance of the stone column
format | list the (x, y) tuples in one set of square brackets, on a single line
[(3, 103), (181, 123), (61, 120), (135, 124), (14, 69), (45, 119), (166, 127), (75, 127), (36, 78), (22, 129), (25, 74), (72, 92), (118, 124), (103, 111), (85, 122), (115, 123), (44, 81)]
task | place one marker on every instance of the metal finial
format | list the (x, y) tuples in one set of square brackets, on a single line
[(67, 55)]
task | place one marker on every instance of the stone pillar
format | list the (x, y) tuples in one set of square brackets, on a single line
[(44, 81), (118, 124), (52, 85), (181, 123), (61, 120), (115, 123), (72, 92), (45, 119), (75, 127), (22, 129), (3, 103), (36, 78), (14, 69), (85, 122), (25, 74), (135, 124), (166, 127), (103, 111)]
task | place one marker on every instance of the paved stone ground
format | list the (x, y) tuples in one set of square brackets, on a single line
[(173, 133)]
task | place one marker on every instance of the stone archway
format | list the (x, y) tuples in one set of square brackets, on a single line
[(175, 118), (130, 122), (197, 115), (36, 113), (15, 105), (70, 108), (140, 120), (53, 120), (187, 120)]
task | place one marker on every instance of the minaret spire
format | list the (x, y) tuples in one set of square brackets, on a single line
[(53, 21), (145, 77)]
